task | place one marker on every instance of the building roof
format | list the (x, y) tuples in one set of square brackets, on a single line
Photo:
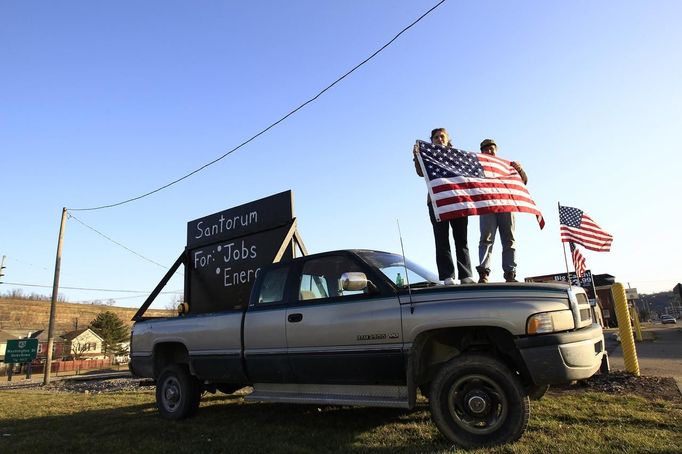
[(41, 335), (71, 335)]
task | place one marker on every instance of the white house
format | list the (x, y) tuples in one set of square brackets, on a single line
[(83, 344)]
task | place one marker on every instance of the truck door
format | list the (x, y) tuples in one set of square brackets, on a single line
[(265, 345), (337, 336)]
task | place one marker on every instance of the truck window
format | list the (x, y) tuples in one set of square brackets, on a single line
[(320, 278), (313, 287), (272, 288)]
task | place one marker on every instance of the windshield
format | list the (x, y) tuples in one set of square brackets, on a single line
[(393, 267)]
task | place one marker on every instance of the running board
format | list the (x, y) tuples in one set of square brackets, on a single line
[(366, 395)]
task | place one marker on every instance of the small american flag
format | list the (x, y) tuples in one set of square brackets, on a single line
[(579, 228), (578, 260), (468, 184)]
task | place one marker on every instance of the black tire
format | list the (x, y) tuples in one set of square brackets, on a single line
[(476, 401), (177, 392)]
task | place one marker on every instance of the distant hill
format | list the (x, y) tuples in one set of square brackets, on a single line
[(31, 315), (661, 303)]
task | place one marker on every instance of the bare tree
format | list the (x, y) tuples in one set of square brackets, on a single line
[(78, 349), (174, 302)]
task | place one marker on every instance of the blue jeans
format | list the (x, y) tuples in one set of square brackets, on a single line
[(490, 223)]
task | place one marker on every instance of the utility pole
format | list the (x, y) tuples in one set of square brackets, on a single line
[(2, 268), (53, 305)]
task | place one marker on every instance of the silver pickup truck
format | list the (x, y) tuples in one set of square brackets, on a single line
[(357, 327)]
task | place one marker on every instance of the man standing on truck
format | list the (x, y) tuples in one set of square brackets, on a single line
[(489, 223), (441, 230)]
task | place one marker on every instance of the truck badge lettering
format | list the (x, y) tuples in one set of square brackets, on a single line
[(367, 337)]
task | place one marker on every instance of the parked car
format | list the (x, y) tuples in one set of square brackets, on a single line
[(668, 319)]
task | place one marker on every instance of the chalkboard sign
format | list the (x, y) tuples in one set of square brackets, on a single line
[(257, 216), (226, 250)]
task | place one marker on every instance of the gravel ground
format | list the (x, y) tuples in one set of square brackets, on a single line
[(613, 383), (625, 383), (101, 386)]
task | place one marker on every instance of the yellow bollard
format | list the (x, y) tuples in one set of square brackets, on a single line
[(627, 340), (638, 327)]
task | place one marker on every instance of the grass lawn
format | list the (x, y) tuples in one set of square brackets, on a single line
[(33, 421)]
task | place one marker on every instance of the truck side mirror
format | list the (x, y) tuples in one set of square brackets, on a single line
[(353, 281)]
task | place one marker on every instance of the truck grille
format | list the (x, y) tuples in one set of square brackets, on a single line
[(583, 310)]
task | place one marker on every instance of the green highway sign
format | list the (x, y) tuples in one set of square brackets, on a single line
[(21, 350)]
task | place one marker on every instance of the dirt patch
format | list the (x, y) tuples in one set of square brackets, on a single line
[(624, 383)]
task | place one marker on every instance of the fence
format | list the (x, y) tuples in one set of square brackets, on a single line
[(63, 367), (78, 365)]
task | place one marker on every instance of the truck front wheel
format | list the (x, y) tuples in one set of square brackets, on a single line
[(476, 401), (177, 392)]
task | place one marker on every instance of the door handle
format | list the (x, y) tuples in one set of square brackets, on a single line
[(295, 318)]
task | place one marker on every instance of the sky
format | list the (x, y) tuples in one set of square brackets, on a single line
[(102, 102)]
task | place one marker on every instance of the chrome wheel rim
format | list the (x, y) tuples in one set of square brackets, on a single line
[(171, 393)]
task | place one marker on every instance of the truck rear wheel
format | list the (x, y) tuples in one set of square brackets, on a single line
[(177, 392), (476, 401)]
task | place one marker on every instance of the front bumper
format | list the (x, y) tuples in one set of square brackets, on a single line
[(553, 359)]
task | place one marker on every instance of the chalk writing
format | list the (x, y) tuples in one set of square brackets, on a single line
[(223, 225), (231, 278), (239, 253), (202, 259)]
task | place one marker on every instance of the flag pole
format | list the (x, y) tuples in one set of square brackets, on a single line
[(594, 290), (563, 246)]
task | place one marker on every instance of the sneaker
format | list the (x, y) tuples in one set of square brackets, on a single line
[(449, 281), (510, 276), (467, 280)]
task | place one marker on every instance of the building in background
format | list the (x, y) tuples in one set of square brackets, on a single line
[(83, 344)]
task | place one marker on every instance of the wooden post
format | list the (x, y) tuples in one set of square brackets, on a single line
[(53, 305)]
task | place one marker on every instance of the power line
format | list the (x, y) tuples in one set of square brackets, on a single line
[(91, 289), (272, 125), (27, 263), (117, 243), (119, 298), (142, 295)]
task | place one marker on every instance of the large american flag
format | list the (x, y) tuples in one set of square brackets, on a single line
[(578, 260), (577, 227), (468, 184)]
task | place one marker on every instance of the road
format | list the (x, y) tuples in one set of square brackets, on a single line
[(661, 356)]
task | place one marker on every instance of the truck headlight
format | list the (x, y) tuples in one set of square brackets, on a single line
[(550, 322)]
